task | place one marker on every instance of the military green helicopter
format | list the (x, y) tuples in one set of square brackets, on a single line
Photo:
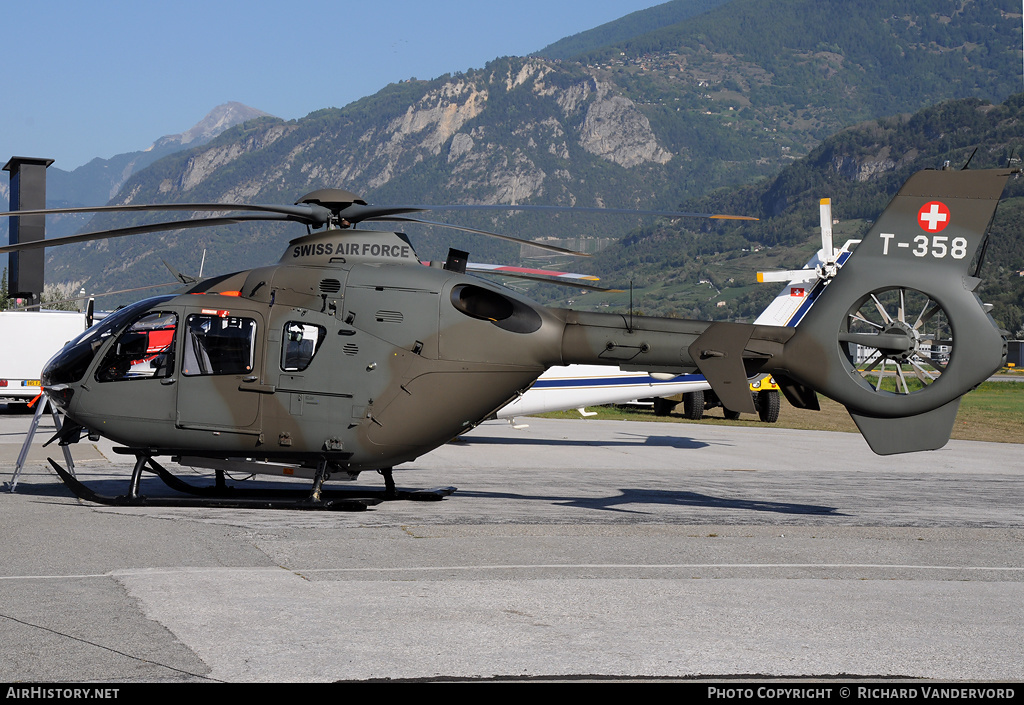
[(349, 354)]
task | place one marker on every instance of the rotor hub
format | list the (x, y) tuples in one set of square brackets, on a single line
[(334, 198), (901, 353)]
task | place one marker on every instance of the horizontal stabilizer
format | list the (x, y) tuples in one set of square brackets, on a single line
[(718, 353), (927, 431)]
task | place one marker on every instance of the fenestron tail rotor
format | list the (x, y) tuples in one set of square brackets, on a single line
[(899, 340)]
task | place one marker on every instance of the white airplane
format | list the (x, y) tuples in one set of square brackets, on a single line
[(580, 386)]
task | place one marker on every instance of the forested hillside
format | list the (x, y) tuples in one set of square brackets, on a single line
[(860, 169), (626, 28)]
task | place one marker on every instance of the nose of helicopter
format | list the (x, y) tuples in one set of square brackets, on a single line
[(62, 374), (66, 367), (60, 396)]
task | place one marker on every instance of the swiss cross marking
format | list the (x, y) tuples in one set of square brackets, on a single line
[(933, 216)]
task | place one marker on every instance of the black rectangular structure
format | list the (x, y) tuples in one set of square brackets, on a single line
[(28, 192)]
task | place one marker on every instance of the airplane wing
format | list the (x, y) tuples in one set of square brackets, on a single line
[(575, 386)]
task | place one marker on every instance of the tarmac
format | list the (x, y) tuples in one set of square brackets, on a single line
[(585, 548)]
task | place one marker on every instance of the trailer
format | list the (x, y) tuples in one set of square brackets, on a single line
[(28, 339)]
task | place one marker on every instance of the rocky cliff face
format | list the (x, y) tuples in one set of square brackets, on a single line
[(615, 130), (506, 134), (204, 163)]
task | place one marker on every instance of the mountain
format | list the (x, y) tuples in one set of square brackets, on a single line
[(729, 96), (216, 121), (99, 180)]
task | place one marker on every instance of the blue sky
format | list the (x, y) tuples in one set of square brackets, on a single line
[(98, 78)]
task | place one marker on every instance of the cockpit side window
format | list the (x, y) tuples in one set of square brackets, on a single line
[(144, 350), (301, 343), (218, 345)]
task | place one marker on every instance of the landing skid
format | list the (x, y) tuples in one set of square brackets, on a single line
[(222, 495), (389, 492)]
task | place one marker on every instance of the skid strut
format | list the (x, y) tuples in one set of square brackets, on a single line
[(223, 495)]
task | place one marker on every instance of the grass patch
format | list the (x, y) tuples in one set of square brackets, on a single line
[(992, 412)]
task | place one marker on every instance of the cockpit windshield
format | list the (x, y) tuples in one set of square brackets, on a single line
[(73, 360)]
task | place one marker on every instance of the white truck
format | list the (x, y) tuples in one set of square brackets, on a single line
[(28, 339)]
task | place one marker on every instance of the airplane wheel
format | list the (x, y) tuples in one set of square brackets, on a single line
[(898, 338), (730, 414), (768, 404), (663, 407), (693, 405)]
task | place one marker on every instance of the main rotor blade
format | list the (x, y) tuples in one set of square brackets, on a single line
[(582, 209), (549, 276), (317, 215), (507, 269), (547, 280), (357, 212), (310, 214), (139, 229), (543, 246)]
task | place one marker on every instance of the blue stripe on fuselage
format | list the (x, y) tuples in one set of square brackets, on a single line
[(645, 380)]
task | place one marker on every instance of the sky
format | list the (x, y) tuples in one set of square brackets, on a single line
[(104, 77)]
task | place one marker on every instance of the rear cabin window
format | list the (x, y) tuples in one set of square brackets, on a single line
[(216, 345), (144, 350), (301, 342)]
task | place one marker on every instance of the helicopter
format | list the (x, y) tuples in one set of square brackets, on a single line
[(349, 355)]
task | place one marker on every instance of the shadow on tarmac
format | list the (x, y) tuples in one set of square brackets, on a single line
[(641, 440), (667, 498)]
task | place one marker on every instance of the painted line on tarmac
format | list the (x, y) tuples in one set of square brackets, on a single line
[(522, 566), (664, 566)]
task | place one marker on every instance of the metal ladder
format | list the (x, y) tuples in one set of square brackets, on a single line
[(43, 404)]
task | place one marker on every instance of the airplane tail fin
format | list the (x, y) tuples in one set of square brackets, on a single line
[(897, 334), (805, 285), (801, 291)]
